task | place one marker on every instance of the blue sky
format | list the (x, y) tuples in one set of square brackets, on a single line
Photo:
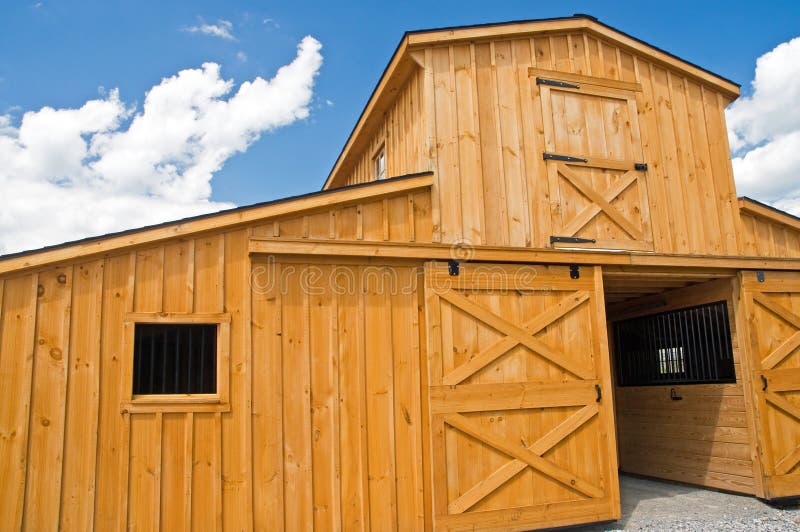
[(59, 53)]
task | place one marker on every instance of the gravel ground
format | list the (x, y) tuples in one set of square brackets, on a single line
[(659, 506)]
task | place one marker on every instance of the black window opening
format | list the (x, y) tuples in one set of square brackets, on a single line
[(172, 358), (685, 346)]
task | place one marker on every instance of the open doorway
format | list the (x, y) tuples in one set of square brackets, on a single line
[(680, 406)]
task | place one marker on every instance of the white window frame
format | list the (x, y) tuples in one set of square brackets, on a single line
[(379, 163)]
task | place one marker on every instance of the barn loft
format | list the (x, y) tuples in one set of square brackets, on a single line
[(528, 270)]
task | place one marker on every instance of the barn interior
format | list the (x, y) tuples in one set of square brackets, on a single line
[(676, 366)]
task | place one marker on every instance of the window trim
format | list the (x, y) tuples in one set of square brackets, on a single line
[(216, 402)]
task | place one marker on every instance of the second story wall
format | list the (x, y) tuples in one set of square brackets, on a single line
[(493, 123), (400, 131)]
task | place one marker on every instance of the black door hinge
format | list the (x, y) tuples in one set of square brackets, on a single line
[(571, 240), (574, 271), (565, 158), (554, 83), (642, 167), (760, 276), (453, 267)]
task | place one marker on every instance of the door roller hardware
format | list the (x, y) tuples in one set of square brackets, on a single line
[(453, 268)]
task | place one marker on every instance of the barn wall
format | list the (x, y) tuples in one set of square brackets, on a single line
[(762, 237), (401, 130), (703, 439), (73, 457), (341, 447), (399, 218), (491, 179)]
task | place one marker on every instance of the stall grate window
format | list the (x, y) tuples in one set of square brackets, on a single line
[(174, 359), (685, 346)]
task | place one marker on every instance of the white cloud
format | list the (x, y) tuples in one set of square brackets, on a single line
[(221, 29), (241, 56), (71, 173), (764, 130)]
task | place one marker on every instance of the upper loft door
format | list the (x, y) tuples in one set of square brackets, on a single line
[(595, 167)]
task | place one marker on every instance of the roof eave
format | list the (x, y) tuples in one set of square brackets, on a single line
[(224, 220), (378, 94)]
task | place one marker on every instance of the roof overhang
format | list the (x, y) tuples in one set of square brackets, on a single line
[(223, 220), (768, 212)]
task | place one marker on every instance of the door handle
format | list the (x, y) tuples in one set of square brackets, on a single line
[(673, 394), (599, 392), (764, 380)]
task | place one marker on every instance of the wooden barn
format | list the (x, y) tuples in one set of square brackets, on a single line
[(527, 271)]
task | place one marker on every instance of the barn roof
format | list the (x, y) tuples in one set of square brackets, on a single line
[(403, 61), (187, 227), (762, 210)]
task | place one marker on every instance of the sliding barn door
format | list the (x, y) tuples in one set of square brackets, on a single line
[(772, 308), (520, 402), (595, 168)]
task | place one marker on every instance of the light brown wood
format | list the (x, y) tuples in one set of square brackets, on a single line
[(714, 266), (522, 399), (521, 29), (773, 360), (216, 222)]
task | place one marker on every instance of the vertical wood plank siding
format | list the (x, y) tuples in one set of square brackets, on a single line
[(487, 123), (315, 369), (687, 164), (762, 237), (401, 131)]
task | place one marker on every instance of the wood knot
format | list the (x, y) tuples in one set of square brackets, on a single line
[(56, 353), (45, 422), (62, 278), (40, 291)]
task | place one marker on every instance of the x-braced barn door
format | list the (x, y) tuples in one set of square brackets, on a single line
[(520, 406), (772, 308), (595, 168)]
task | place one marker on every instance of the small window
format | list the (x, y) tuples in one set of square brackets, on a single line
[(176, 362), (684, 346), (379, 162), (173, 358)]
